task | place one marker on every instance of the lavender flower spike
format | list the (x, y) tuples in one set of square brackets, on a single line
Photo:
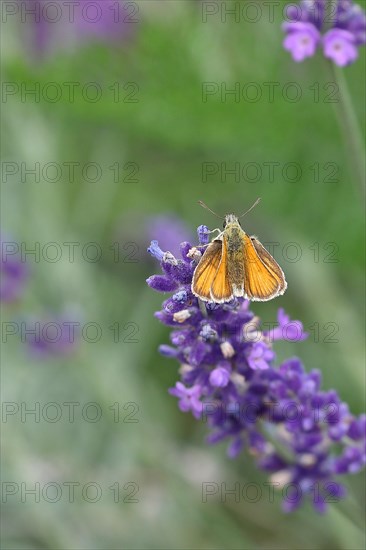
[(307, 27), (302, 436)]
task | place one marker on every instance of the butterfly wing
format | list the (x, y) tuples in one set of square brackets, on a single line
[(221, 289), (206, 270), (263, 277), (270, 263)]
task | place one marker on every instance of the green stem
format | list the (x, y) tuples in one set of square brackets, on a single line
[(351, 131), (282, 450), (202, 307)]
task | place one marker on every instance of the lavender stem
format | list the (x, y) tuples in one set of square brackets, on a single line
[(351, 131)]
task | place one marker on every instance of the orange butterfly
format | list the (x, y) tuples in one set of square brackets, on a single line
[(235, 264)]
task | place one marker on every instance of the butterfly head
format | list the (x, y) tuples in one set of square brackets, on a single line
[(231, 219)]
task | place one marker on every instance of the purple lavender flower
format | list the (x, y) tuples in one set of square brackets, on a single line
[(302, 39), (220, 375), (340, 47), (302, 436), (307, 27), (260, 356), (14, 272), (189, 398)]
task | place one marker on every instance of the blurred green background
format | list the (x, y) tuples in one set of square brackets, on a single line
[(168, 134)]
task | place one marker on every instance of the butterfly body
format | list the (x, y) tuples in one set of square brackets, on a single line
[(235, 264)]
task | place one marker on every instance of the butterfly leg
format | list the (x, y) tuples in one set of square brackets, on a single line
[(220, 231)]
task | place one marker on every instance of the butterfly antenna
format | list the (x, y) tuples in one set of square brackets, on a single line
[(201, 203), (251, 208)]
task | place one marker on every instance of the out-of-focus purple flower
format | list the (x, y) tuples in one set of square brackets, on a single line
[(14, 271), (302, 39), (54, 336), (38, 28), (309, 25), (302, 436), (340, 47), (169, 231), (164, 230), (56, 25), (287, 329), (106, 19)]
